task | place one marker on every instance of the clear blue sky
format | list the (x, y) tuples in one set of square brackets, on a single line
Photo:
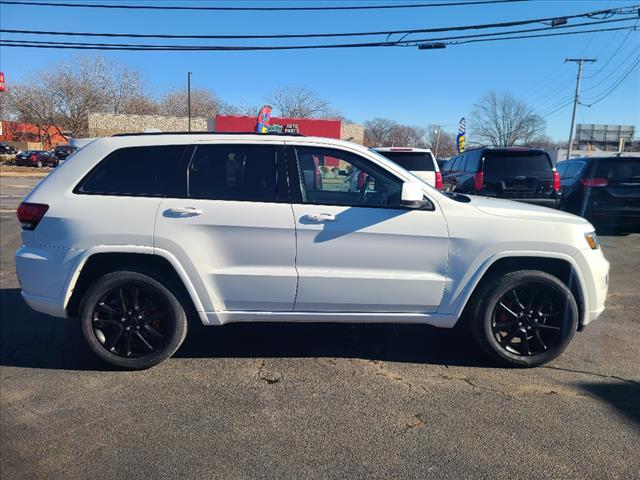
[(405, 84)]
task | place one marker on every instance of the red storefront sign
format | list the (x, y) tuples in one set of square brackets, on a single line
[(304, 126)]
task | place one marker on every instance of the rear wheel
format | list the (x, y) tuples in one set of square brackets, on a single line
[(131, 320), (39, 164), (524, 318)]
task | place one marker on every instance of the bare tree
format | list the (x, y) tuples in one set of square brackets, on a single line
[(204, 103), (300, 102), (240, 109), (500, 119), (129, 93), (382, 132), (30, 103), (66, 93), (442, 142), (407, 136), (142, 105), (377, 131), (79, 88)]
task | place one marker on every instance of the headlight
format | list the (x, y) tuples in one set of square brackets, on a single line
[(592, 240)]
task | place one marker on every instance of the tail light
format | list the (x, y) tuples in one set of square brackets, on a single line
[(439, 183), (478, 181), (30, 214), (594, 182), (556, 182)]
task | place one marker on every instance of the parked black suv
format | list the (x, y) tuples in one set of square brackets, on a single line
[(605, 190), (63, 151), (515, 173), (7, 149)]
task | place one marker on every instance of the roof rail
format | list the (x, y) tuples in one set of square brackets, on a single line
[(143, 134)]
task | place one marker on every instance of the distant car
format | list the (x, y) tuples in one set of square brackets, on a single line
[(37, 158), (419, 161), (63, 151), (605, 190), (7, 149), (441, 164), (514, 173)]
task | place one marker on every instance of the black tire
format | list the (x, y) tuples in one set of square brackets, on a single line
[(550, 332), (149, 339)]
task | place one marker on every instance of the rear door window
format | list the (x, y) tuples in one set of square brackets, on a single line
[(234, 172), (421, 161), (509, 164), (562, 169), (473, 162), (152, 171), (573, 170)]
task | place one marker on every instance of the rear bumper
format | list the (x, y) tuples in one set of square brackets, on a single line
[(543, 202), (48, 306), (43, 274), (614, 214)]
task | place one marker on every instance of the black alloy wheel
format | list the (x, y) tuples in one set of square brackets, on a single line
[(528, 319), (524, 318), (131, 320)]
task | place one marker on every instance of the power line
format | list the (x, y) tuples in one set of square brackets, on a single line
[(256, 9), (591, 14), (540, 35), (404, 43), (616, 84), (561, 107), (613, 55), (607, 77)]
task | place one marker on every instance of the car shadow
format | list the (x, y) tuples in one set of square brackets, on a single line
[(33, 340), (624, 397)]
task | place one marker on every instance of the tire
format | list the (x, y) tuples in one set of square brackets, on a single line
[(132, 330), (502, 328), (39, 164)]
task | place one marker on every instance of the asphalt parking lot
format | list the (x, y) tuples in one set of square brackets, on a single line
[(317, 401)]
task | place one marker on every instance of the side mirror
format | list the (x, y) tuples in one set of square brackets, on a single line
[(412, 195)]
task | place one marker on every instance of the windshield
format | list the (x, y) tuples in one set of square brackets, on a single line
[(512, 164), (421, 161)]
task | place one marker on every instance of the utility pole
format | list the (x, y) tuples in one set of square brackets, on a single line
[(580, 62), (437, 140), (189, 98)]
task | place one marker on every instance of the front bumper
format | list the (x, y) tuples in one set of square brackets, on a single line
[(595, 270)]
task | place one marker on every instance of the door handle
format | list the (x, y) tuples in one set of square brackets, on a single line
[(320, 217), (183, 212)]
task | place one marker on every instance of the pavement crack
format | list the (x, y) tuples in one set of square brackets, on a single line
[(585, 372), (268, 376), (475, 385), (416, 422)]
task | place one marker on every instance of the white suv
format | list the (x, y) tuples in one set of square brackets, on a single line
[(136, 233), (419, 161)]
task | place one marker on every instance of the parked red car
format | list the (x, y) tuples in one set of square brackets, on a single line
[(37, 158)]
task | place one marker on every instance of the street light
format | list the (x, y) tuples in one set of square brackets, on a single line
[(437, 132)]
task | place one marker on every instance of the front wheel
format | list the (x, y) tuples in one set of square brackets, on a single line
[(131, 320), (524, 318)]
